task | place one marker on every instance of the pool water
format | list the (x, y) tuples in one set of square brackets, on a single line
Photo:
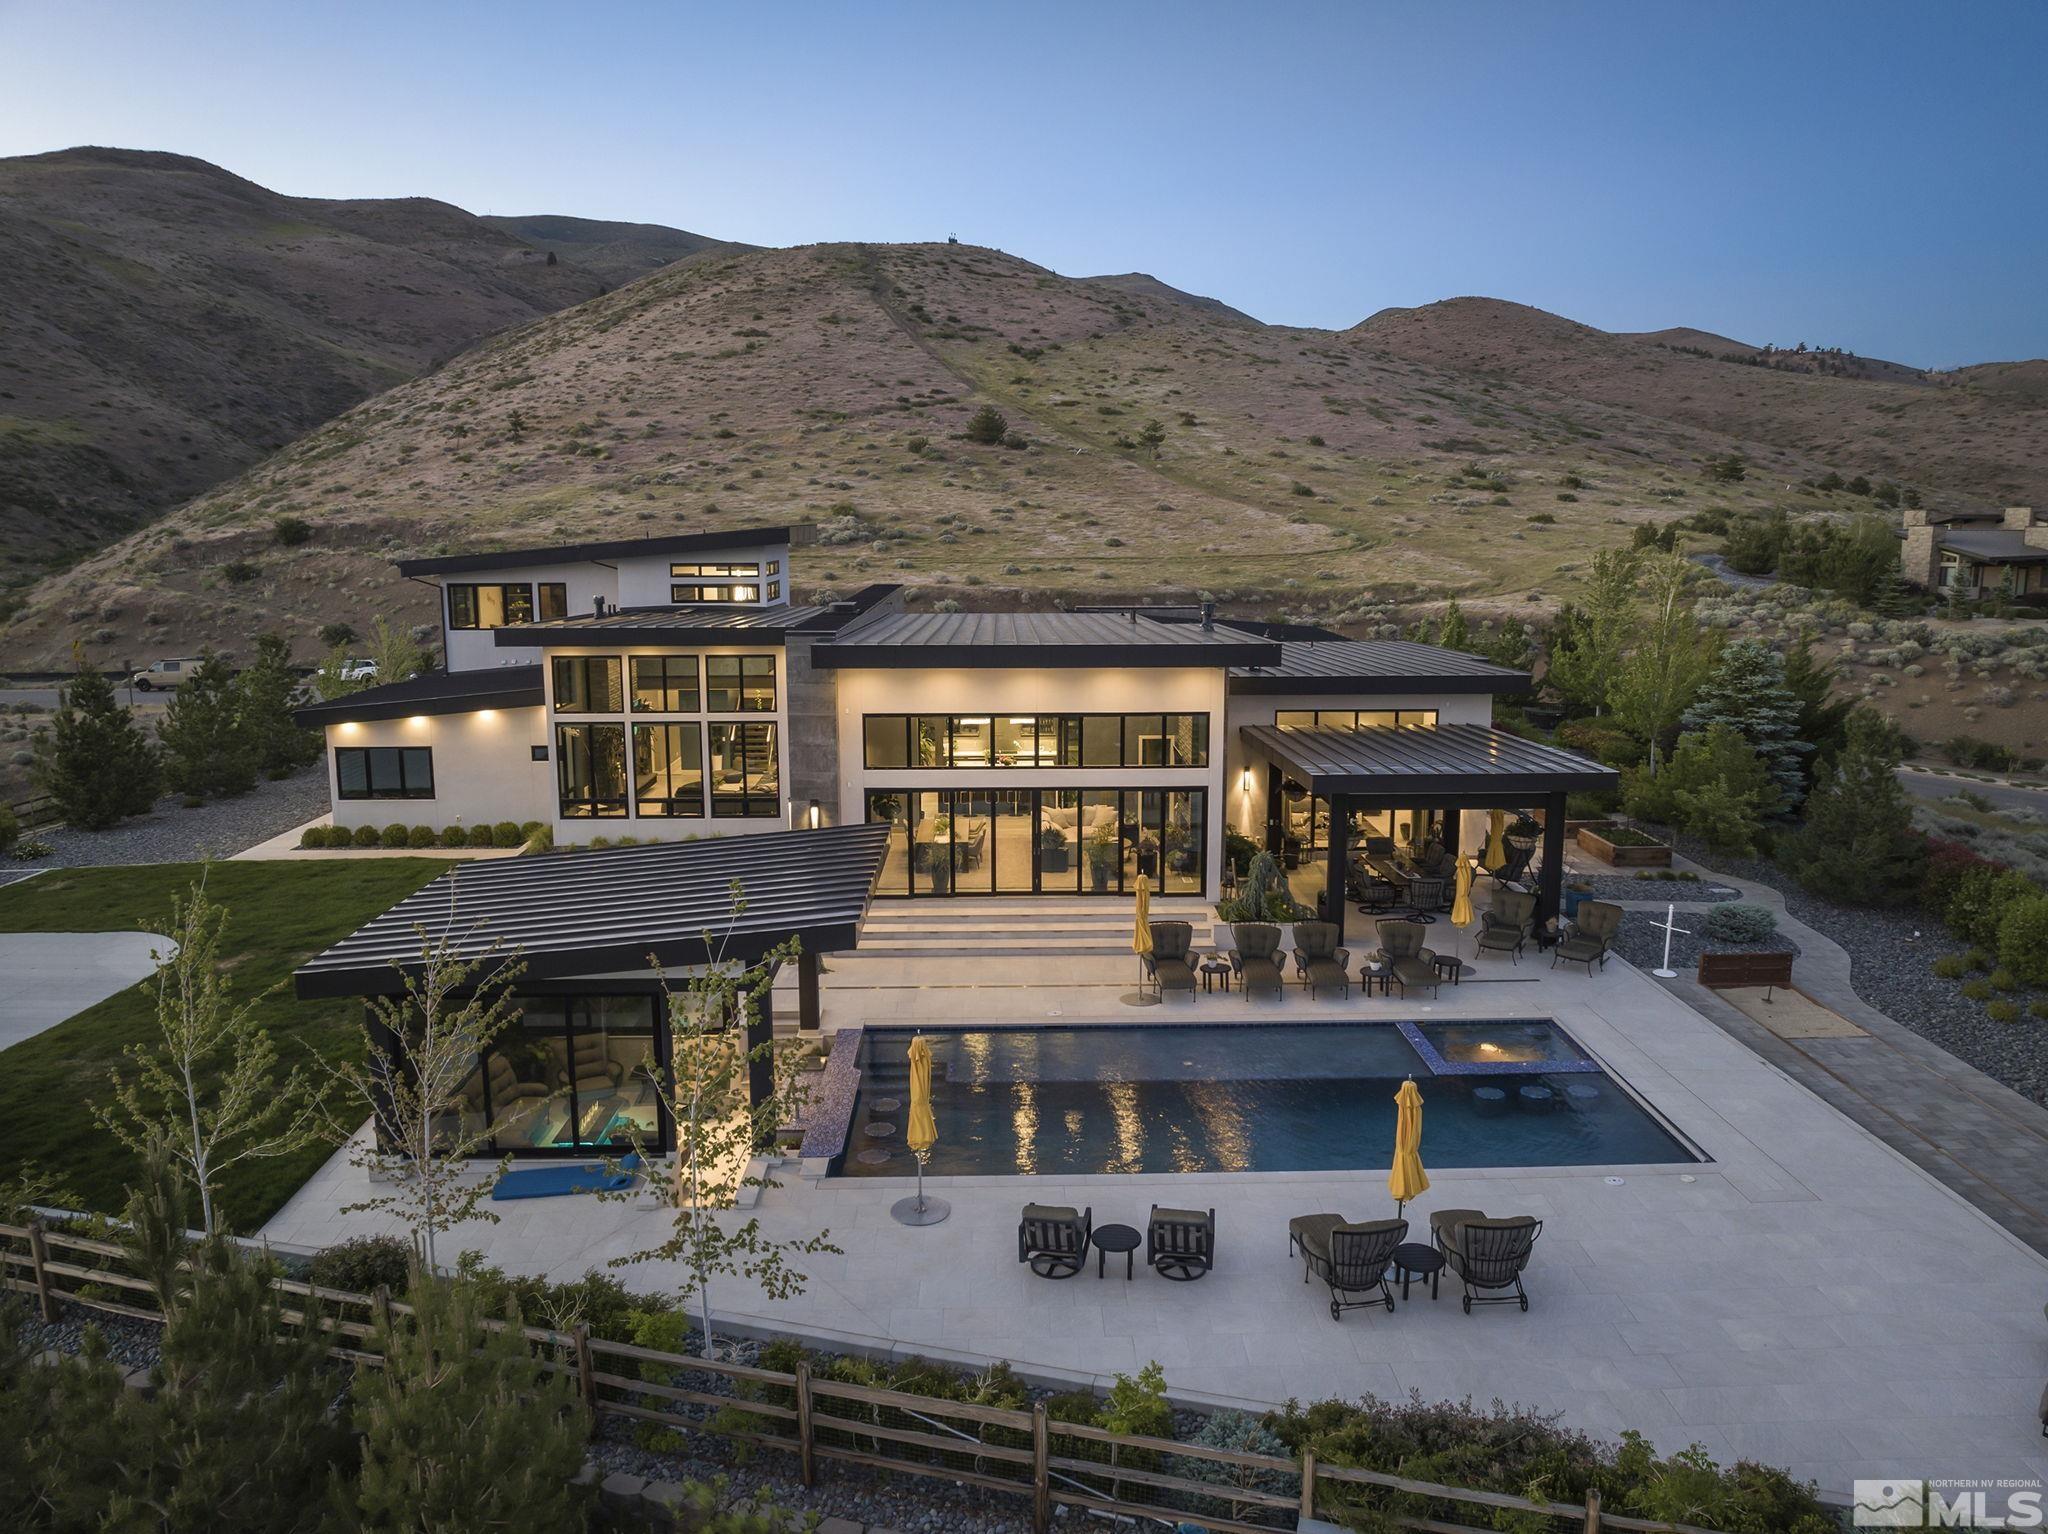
[(1262, 1098)]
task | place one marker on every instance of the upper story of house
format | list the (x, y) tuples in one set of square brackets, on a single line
[(736, 571), (1974, 554)]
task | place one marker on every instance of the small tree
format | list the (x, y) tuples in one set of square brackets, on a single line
[(1452, 632), (94, 760), (1665, 670), (1715, 786), (1587, 641), (465, 1430), (206, 745), (1856, 844), (398, 655), (1152, 437), (2023, 939), (987, 427), (711, 1084), (264, 695), (420, 1048), (1747, 692), (206, 1089)]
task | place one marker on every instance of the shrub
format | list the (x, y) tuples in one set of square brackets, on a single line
[(2003, 979), (291, 531), (1947, 862), (363, 836), (506, 833), (10, 827), (2023, 942), (239, 572), (313, 836), (361, 1264), (987, 427), (528, 827), (454, 836), (1740, 922), (1982, 897), (2039, 1007), (1855, 843), (397, 834), (1951, 966), (2003, 1011), (421, 836), (1977, 990), (1602, 739)]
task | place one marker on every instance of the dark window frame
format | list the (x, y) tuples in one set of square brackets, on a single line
[(551, 600), (423, 755), (668, 665), (746, 665), (693, 806), (506, 604), (744, 803), (1067, 731), (591, 805), (718, 593), (559, 665)]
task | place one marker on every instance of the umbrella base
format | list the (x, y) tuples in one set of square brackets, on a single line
[(1138, 999), (1665, 974), (905, 1211)]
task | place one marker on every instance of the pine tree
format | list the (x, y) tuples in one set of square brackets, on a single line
[(1857, 844), (206, 747), (95, 761), (987, 426), (1823, 718), (1586, 643), (264, 695), (1452, 632), (1748, 693), (1670, 662)]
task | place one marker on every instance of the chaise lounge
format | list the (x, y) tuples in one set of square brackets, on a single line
[(1486, 1254), (1590, 936), (1180, 1244), (1257, 957), (1053, 1239), (1318, 959)]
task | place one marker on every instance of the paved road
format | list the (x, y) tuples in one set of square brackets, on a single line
[(46, 697), (2005, 796)]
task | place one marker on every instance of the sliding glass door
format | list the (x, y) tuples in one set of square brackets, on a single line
[(1049, 841)]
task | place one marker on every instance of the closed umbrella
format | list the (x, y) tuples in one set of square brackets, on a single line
[(1461, 903), (1407, 1180), (1496, 841), (923, 1135), (1141, 943)]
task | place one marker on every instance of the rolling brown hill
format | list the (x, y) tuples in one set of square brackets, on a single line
[(1469, 447), (169, 323), (614, 251)]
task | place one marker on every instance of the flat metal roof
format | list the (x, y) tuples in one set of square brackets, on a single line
[(1039, 639), (587, 913), (1436, 759), (622, 548), (1995, 545), (435, 692), (1376, 665)]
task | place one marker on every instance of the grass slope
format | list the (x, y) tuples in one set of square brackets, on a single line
[(279, 914)]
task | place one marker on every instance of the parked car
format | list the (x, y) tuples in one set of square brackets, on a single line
[(359, 670), (164, 673)]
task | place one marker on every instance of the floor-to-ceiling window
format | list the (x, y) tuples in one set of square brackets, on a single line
[(572, 1073), (1048, 841)]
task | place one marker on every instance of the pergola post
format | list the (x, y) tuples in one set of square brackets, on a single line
[(808, 969), (760, 1064), (1339, 857), (1550, 881)]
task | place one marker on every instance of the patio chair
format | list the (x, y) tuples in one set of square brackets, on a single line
[(1508, 923), (1591, 935), (1354, 1261), (1257, 957), (1486, 1254), (1517, 865), (1402, 951), (1053, 1239), (1168, 963), (1180, 1244), (591, 1067), (1318, 958), (1376, 895), (1424, 895)]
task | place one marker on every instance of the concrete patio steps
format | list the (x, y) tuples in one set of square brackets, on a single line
[(1030, 927)]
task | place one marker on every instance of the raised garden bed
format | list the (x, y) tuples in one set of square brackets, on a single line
[(1623, 846)]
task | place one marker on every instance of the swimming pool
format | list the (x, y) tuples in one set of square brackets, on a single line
[(1258, 1098)]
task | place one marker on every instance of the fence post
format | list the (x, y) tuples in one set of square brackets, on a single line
[(1041, 1471), (1592, 1510), (586, 1372), (1308, 1483), (380, 1307), (803, 1421), (39, 1255)]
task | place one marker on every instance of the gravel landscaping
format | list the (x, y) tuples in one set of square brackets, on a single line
[(1642, 943), (170, 833), (1629, 887)]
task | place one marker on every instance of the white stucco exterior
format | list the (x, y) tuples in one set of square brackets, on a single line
[(484, 770)]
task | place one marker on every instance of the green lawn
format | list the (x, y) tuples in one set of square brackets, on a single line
[(278, 915)]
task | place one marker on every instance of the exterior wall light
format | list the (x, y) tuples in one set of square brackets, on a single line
[(812, 816)]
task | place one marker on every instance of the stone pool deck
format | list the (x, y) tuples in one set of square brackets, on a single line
[(1808, 1297)]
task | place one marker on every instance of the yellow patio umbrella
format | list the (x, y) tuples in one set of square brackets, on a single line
[(923, 1135), (1141, 943), (1496, 841), (1407, 1180), (1461, 903)]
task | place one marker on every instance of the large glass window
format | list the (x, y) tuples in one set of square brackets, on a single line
[(572, 1074), (383, 772), (1041, 740), (739, 684), (588, 684), (489, 607), (745, 780), (1355, 719), (591, 770), (668, 770), (554, 601), (1049, 841), (715, 583), (665, 684), (886, 741)]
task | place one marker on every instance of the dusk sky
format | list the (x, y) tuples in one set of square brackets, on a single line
[(1868, 175)]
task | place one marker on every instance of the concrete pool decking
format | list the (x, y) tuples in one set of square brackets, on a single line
[(1809, 1297)]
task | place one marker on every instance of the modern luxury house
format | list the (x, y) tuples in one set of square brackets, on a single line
[(1963, 554)]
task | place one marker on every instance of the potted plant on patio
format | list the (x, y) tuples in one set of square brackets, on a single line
[(1052, 851), (1102, 858)]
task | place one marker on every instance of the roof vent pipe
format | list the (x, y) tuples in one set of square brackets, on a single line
[(1208, 615), (597, 607), (1134, 617)]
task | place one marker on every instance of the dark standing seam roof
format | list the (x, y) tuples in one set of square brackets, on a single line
[(580, 913), (1376, 665), (621, 548), (1039, 639), (657, 624), (1994, 545), (1442, 759), (437, 692)]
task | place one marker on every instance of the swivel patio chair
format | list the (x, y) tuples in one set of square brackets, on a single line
[(1376, 895), (1591, 935), (1053, 1239), (1257, 957), (1321, 962), (1402, 951), (1180, 1244), (1508, 923), (1423, 897), (1354, 1260), (1168, 962), (1487, 1255)]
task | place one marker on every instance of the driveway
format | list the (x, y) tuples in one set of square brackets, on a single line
[(46, 977), (2002, 796)]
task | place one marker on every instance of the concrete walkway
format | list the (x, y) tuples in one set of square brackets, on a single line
[(46, 977)]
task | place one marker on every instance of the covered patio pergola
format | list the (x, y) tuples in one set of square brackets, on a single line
[(1447, 768)]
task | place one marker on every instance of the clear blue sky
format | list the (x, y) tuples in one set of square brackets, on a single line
[(1866, 174)]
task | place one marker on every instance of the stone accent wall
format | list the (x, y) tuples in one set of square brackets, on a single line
[(810, 757), (1919, 560)]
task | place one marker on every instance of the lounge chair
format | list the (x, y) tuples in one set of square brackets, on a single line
[(1053, 1239), (1180, 1244), (1402, 951), (1486, 1254), (1318, 958), (591, 1067), (1168, 963), (1517, 865), (1508, 923), (1354, 1260), (1591, 935), (1257, 957)]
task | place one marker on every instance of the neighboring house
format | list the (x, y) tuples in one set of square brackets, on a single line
[(668, 689), (1973, 555)]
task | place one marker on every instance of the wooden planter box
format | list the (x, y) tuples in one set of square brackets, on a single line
[(1656, 855)]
